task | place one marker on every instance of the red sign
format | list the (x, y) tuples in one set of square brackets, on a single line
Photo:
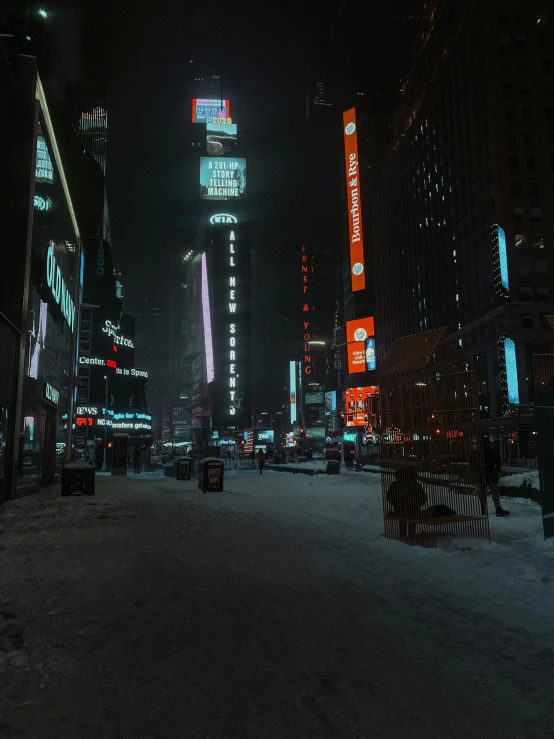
[(358, 405), (307, 272), (354, 201), (357, 332)]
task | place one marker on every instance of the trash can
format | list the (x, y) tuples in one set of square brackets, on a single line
[(169, 470), (183, 468), (78, 478), (210, 475), (333, 467)]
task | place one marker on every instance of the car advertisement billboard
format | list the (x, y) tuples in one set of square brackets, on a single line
[(361, 345), (222, 178), (354, 203), (204, 110), (221, 139)]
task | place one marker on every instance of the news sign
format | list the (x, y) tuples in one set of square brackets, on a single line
[(221, 139), (204, 110), (222, 178), (354, 202), (361, 345)]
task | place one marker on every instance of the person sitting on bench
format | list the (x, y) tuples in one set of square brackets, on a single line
[(407, 497)]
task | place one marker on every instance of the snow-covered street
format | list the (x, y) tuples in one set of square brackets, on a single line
[(274, 610)]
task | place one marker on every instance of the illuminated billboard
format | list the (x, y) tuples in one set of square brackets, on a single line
[(500, 236), (357, 265), (361, 345), (222, 178), (292, 376), (264, 436), (221, 139), (511, 371), (314, 398), (207, 322), (330, 402), (358, 404), (204, 110)]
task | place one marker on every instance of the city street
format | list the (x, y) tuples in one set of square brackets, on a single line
[(274, 610)]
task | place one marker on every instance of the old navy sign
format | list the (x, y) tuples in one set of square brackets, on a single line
[(58, 288), (222, 218), (357, 265)]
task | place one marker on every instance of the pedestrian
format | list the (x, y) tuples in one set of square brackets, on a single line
[(136, 459), (491, 464), (261, 459)]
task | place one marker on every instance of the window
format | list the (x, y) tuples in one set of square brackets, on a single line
[(516, 188), (552, 163), (529, 139), (524, 266), (506, 65), (534, 189), (518, 215), (542, 294), (551, 143), (525, 92), (538, 241), (544, 43), (524, 294), (522, 65), (514, 162), (541, 267), (527, 112), (510, 112), (530, 162), (536, 214), (521, 241), (512, 140), (549, 89), (546, 65), (508, 89), (542, 19), (527, 321), (505, 39), (549, 112)]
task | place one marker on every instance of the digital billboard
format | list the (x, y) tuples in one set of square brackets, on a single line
[(221, 139), (361, 345), (354, 203), (205, 109), (358, 405), (330, 402), (292, 379), (502, 257), (511, 371), (314, 398), (222, 178), (265, 436)]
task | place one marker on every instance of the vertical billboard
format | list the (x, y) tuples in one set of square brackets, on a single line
[(361, 345), (204, 110), (500, 235), (292, 380), (330, 402), (222, 178), (511, 371), (353, 199), (359, 405)]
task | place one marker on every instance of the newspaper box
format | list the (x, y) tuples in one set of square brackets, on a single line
[(210, 475), (183, 466)]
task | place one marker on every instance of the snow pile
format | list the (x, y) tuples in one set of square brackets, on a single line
[(529, 479)]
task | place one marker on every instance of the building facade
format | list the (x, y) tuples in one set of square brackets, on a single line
[(464, 220)]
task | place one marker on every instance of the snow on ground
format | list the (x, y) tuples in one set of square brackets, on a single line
[(274, 610), (529, 478)]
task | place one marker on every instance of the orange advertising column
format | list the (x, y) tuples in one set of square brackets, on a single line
[(354, 202)]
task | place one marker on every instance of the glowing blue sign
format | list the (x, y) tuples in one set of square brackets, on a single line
[(503, 257), (41, 203), (511, 371)]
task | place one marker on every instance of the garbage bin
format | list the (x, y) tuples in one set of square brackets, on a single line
[(210, 475), (333, 467), (78, 478), (183, 467)]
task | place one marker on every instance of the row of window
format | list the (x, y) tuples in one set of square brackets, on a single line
[(527, 112), (526, 91), (515, 139), (520, 40), (536, 240), (533, 189), (541, 294), (521, 18), (535, 214), (522, 65), (515, 162), (541, 267)]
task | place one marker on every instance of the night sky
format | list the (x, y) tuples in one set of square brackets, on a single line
[(265, 52)]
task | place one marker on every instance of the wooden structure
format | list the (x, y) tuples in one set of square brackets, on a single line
[(432, 472)]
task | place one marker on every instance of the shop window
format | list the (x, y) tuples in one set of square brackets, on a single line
[(524, 266), (543, 294), (527, 321), (521, 241), (515, 187), (541, 267)]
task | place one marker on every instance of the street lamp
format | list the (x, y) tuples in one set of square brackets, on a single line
[(104, 463)]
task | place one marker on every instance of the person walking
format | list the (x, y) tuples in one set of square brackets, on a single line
[(261, 459), (136, 458), (491, 464)]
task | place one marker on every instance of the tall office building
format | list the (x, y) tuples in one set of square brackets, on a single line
[(464, 220)]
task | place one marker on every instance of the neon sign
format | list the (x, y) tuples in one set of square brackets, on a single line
[(232, 326), (41, 203), (222, 218), (111, 329), (58, 288)]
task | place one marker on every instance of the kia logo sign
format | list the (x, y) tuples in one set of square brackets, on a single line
[(222, 218), (350, 128)]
